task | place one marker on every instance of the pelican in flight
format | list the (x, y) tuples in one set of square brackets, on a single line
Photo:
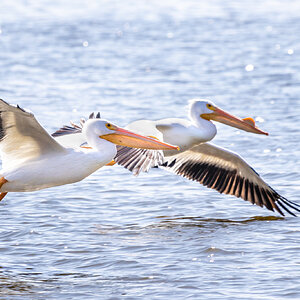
[(33, 160), (197, 160)]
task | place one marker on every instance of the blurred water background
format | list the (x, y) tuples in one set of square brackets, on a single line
[(156, 236)]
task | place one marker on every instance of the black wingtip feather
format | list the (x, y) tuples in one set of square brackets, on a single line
[(95, 116), (286, 209), (66, 130), (289, 203)]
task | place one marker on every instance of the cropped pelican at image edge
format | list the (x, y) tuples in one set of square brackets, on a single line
[(33, 160)]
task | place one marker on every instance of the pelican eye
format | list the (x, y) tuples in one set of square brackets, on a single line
[(108, 125), (209, 106)]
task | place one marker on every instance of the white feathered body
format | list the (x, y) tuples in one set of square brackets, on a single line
[(54, 170), (180, 132)]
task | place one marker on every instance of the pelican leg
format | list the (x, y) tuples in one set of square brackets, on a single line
[(2, 181)]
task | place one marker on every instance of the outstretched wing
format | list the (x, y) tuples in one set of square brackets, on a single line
[(227, 173), (21, 136), (138, 160)]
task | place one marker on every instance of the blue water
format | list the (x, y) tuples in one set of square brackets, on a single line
[(156, 236)]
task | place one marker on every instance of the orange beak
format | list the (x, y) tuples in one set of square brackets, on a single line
[(221, 116), (127, 138)]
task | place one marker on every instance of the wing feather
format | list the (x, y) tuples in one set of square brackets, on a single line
[(21, 136), (65, 130), (138, 160)]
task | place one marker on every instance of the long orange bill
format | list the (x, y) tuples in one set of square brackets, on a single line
[(246, 124), (127, 138)]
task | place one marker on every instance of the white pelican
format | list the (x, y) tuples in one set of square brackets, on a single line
[(212, 166), (33, 160)]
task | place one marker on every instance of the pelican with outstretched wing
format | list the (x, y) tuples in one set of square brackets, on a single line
[(197, 160)]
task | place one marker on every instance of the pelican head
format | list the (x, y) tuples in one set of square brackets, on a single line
[(207, 110), (103, 129)]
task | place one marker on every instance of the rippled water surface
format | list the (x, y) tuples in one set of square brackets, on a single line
[(156, 236)]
